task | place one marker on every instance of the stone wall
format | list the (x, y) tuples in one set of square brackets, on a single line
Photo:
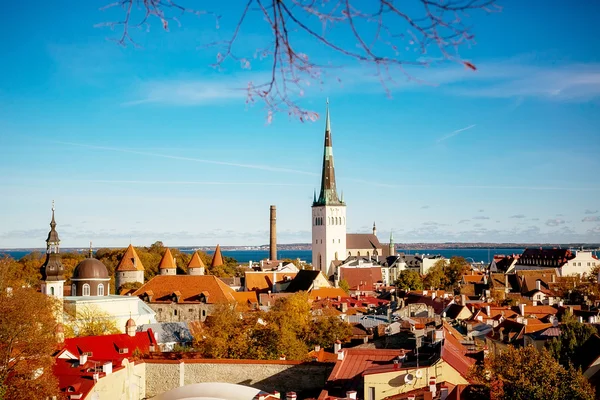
[(284, 376), (173, 312)]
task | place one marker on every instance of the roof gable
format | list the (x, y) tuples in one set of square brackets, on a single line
[(191, 288)]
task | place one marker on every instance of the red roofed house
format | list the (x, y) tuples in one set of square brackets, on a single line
[(359, 279), (104, 367), (184, 298), (446, 363)]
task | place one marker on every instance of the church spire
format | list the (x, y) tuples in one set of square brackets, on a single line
[(328, 194), (52, 270)]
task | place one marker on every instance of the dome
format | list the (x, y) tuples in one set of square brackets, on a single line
[(90, 268), (130, 323)]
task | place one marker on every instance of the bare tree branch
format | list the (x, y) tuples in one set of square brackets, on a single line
[(387, 36)]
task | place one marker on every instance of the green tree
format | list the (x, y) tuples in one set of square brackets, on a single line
[(529, 374), (456, 268), (409, 280), (573, 334), (344, 285), (436, 277)]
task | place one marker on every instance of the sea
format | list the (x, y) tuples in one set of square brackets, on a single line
[(477, 255)]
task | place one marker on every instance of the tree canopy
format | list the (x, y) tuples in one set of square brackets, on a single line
[(529, 374), (27, 341), (446, 275), (409, 280), (289, 329), (573, 334)]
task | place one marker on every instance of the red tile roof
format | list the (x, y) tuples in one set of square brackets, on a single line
[(356, 361), (196, 261), (361, 278), (260, 281), (78, 379), (167, 261), (454, 353), (130, 261), (161, 288)]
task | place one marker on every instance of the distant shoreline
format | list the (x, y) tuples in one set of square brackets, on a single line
[(307, 246)]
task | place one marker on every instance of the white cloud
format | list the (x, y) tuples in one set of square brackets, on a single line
[(591, 219), (555, 222)]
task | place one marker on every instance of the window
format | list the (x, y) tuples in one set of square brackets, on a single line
[(175, 312), (358, 254), (191, 310), (336, 255), (371, 395), (574, 263), (579, 264), (588, 264), (73, 290), (160, 310), (52, 289), (332, 240), (101, 290), (316, 241), (203, 313), (320, 262), (85, 289)]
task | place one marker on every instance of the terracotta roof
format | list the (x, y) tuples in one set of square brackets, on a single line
[(472, 278), (322, 356), (356, 361), (162, 287), (366, 277), (130, 261), (245, 297), (195, 261), (217, 259), (327, 293), (167, 261), (362, 241), (454, 353), (260, 281)]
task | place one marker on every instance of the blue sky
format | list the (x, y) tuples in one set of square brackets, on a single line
[(152, 143)]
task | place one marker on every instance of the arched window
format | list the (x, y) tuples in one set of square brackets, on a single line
[(101, 290), (368, 254), (358, 254), (52, 291), (73, 290), (85, 290)]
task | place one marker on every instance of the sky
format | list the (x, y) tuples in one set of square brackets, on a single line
[(150, 142)]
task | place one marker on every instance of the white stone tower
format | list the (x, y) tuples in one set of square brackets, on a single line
[(328, 214)]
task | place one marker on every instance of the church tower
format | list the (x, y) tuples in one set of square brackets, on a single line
[(328, 214), (53, 271)]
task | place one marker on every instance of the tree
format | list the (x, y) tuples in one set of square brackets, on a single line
[(90, 321), (387, 37), (27, 342), (527, 373), (409, 280), (436, 277), (456, 268), (344, 285), (573, 334)]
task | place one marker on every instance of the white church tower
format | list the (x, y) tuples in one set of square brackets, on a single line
[(328, 214)]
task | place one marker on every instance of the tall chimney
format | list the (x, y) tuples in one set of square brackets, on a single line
[(273, 235)]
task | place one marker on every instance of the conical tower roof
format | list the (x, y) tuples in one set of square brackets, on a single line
[(328, 194), (130, 261), (217, 258), (167, 262), (196, 261)]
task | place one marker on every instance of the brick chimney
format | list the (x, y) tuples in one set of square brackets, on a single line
[(291, 396), (273, 235)]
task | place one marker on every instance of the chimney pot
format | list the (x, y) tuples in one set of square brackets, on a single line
[(290, 396), (351, 394)]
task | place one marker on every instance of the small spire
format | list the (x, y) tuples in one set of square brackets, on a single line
[(53, 222), (91, 251), (391, 236), (342, 199), (327, 123), (315, 196)]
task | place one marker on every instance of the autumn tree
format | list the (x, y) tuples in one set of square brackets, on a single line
[(573, 334), (289, 329), (27, 342), (529, 374), (409, 280), (89, 321), (436, 277), (386, 39), (344, 285)]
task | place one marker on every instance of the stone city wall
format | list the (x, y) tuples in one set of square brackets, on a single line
[(283, 376)]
